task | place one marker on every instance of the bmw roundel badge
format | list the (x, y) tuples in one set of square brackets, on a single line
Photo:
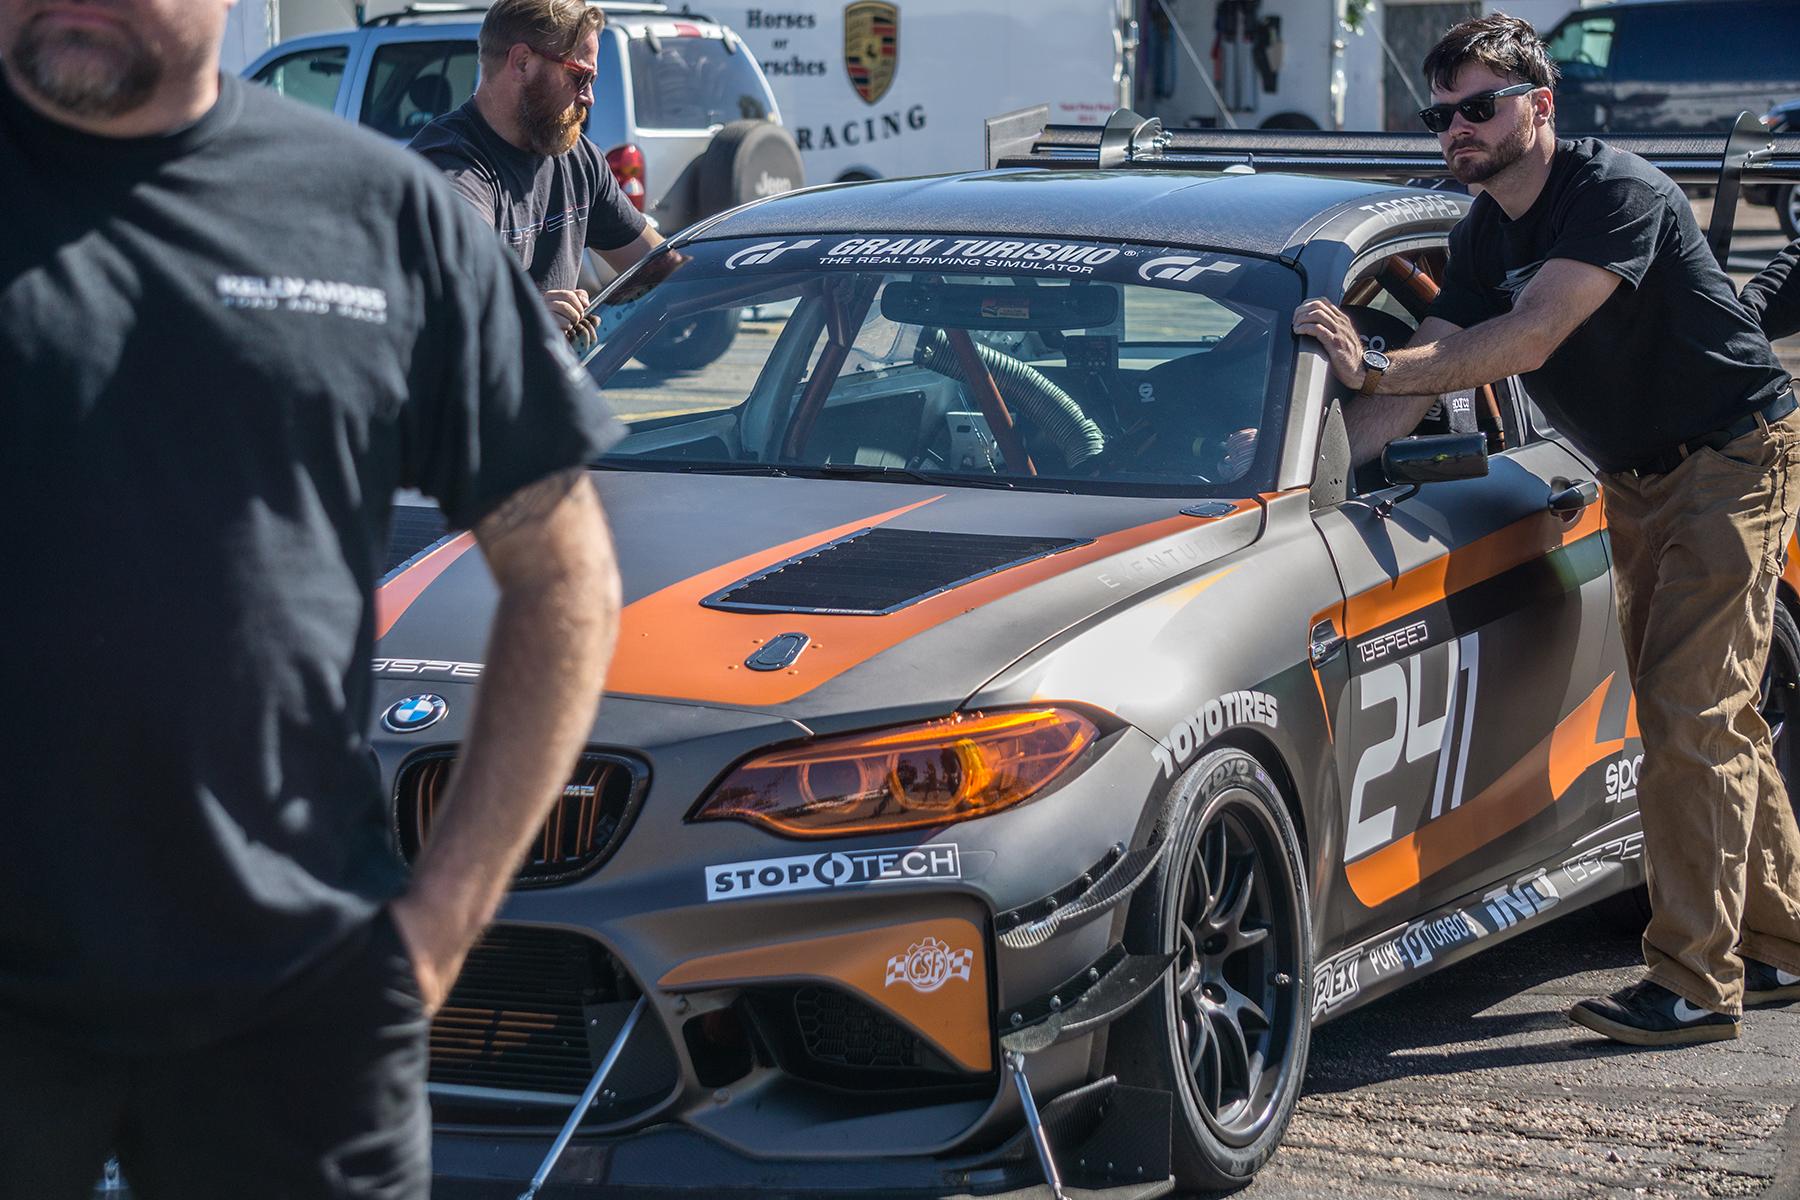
[(414, 713)]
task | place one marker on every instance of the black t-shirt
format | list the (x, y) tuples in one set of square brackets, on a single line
[(546, 208), (1669, 356), (221, 351)]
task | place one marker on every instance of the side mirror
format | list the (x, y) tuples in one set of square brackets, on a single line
[(1435, 459)]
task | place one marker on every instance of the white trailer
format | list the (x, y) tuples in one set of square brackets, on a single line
[(871, 89)]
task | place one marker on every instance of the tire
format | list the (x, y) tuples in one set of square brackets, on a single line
[(1779, 703), (746, 160), (1228, 1115), (1289, 120), (1787, 209), (692, 344)]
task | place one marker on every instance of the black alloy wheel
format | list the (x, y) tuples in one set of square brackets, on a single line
[(1227, 1031)]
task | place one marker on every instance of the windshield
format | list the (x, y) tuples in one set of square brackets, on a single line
[(973, 361)]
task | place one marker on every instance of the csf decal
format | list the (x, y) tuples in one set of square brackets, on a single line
[(1183, 268), (929, 965), (764, 253), (837, 869)]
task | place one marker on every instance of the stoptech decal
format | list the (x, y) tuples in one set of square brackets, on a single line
[(838, 869)]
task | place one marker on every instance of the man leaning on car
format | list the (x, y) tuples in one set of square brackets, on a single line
[(1584, 270), (230, 328), (516, 153)]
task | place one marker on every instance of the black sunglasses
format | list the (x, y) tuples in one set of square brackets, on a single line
[(1476, 108)]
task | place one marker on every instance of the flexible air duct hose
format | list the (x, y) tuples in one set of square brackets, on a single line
[(1024, 388)]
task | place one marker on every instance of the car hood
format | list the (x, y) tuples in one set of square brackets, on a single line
[(907, 597)]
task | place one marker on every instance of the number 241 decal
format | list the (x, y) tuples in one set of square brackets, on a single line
[(1446, 735)]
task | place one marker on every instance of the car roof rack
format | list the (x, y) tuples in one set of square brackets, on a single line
[(1749, 153), (426, 9)]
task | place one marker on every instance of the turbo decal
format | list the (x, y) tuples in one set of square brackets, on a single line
[(839, 869), (1176, 748)]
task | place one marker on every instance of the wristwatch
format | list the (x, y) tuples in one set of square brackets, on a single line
[(1375, 365)]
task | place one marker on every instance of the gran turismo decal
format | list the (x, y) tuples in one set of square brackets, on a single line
[(426, 666), (837, 869), (929, 965), (1183, 268), (1232, 709), (1622, 778), (764, 253), (1069, 258)]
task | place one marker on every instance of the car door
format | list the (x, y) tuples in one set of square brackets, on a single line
[(1473, 630)]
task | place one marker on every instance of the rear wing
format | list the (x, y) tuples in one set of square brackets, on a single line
[(1748, 154)]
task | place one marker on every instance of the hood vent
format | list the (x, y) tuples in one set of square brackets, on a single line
[(877, 571), (414, 529)]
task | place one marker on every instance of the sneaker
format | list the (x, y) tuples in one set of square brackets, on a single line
[(1649, 1014), (1764, 984)]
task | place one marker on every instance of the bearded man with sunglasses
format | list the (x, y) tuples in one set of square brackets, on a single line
[(1583, 270), (515, 151)]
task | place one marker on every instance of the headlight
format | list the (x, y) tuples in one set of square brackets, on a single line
[(910, 777)]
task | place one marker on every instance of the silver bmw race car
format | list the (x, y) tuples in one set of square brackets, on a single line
[(1027, 723)]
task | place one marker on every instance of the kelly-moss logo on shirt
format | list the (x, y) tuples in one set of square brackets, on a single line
[(286, 293)]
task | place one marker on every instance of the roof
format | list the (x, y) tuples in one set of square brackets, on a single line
[(1246, 213)]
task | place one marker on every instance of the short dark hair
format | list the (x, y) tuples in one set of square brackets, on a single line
[(1504, 45), (552, 27)]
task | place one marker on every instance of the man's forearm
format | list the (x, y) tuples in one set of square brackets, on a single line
[(1480, 354), (551, 639), (1374, 421), (1773, 297)]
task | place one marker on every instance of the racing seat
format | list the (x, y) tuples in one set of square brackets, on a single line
[(430, 97)]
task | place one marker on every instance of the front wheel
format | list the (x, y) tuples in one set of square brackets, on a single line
[(1787, 209), (1226, 1032)]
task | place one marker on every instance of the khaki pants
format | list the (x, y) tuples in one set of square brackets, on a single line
[(1696, 553)]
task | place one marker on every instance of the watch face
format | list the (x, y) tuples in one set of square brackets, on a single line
[(1375, 360)]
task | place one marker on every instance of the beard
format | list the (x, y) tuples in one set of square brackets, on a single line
[(550, 126), (1481, 168), (85, 71)]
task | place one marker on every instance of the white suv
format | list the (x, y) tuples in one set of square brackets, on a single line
[(681, 110)]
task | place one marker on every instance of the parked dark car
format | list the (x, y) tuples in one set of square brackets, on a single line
[(1783, 118), (1674, 66)]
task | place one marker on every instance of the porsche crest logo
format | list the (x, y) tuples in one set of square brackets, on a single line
[(871, 46)]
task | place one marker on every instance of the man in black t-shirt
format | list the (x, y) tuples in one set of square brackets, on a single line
[(230, 328), (516, 153), (1583, 270)]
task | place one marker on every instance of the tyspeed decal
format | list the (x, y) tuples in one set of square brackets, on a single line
[(1384, 645), (1412, 208), (426, 666), (1592, 863), (929, 965), (837, 869), (1175, 748)]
